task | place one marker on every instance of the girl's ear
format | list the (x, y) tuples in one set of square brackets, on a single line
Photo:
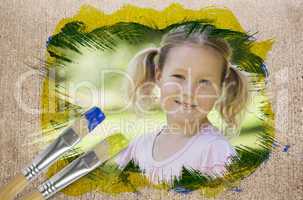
[(157, 75)]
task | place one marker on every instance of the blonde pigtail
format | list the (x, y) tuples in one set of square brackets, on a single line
[(141, 71), (234, 98)]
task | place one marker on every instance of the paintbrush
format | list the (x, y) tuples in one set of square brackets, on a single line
[(80, 167), (69, 137)]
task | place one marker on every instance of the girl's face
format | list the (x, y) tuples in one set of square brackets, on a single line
[(189, 83)]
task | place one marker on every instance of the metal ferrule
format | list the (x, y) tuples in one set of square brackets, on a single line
[(62, 144), (75, 170)]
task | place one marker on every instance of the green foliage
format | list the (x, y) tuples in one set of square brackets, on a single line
[(106, 38)]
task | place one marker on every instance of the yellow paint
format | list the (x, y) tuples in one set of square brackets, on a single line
[(262, 48), (94, 18), (116, 142)]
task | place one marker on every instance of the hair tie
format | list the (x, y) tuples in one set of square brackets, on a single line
[(228, 68), (234, 67)]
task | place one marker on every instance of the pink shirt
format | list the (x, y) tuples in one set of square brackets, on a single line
[(207, 151)]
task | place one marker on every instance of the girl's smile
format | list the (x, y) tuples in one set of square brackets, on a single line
[(185, 105)]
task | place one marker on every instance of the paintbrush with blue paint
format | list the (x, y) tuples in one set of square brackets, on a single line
[(68, 138)]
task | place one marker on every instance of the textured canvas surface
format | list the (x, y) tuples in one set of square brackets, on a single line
[(26, 25)]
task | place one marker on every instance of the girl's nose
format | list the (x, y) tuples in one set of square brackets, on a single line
[(189, 88)]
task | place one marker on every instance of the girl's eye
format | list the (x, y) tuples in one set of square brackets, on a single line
[(204, 81), (178, 76)]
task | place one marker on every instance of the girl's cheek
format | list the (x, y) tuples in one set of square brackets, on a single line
[(171, 88), (206, 99), (168, 95)]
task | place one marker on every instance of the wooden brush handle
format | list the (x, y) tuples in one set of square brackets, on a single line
[(34, 196), (15, 186)]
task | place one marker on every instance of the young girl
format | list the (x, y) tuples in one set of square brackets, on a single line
[(194, 74)]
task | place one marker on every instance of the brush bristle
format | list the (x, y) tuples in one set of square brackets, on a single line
[(70, 136)]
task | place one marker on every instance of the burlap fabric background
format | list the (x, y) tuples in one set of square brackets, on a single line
[(26, 25)]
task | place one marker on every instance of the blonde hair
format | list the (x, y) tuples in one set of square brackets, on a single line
[(234, 84)]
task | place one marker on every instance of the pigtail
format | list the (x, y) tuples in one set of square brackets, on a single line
[(141, 70), (235, 97)]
